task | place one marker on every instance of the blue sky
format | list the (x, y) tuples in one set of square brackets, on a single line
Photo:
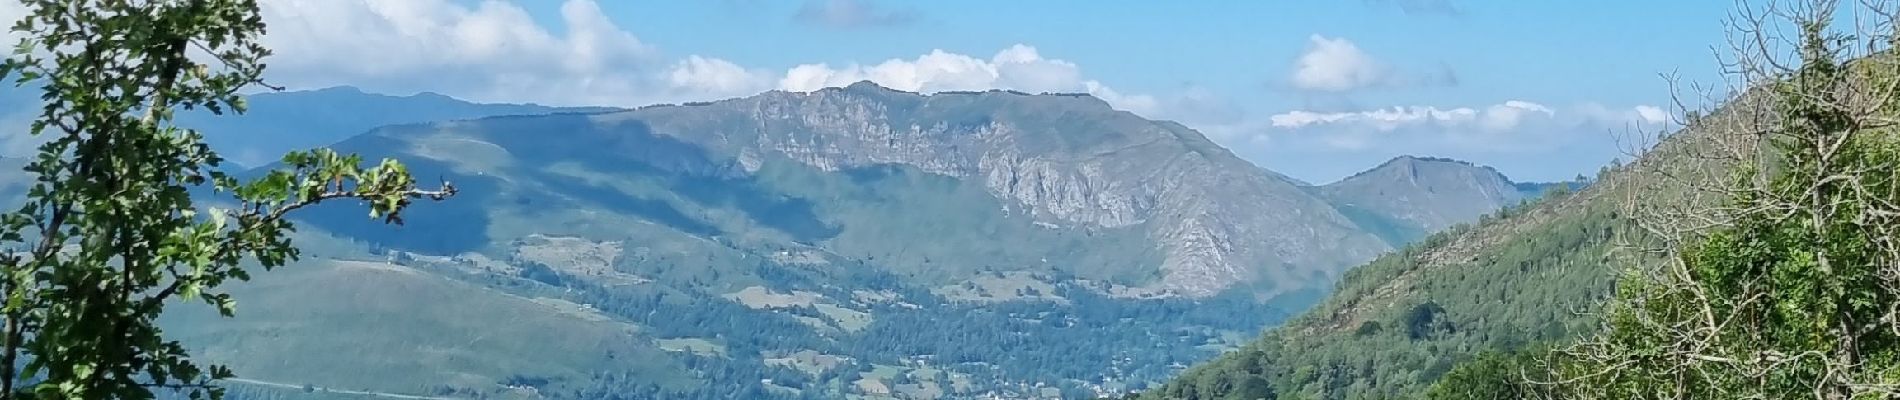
[(1607, 51), (1313, 89)]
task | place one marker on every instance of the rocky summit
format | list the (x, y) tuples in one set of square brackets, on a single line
[(1067, 161)]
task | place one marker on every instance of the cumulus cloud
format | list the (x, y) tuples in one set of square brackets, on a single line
[(712, 76), (1019, 67), (938, 70), (851, 14), (1338, 65), (487, 51), (494, 51), (10, 11), (1643, 114)]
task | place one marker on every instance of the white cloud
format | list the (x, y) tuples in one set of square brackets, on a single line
[(1652, 114), (1019, 67), (1022, 67), (1509, 129), (1382, 119), (939, 70), (1496, 118), (1503, 117), (494, 51), (1527, 140), (714, 76), (487, 51), (1337, 65), (1511, 114), (10, 12), (1146, 105)]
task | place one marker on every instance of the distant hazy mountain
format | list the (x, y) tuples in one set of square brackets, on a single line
[(277, 122), (1409, 197)]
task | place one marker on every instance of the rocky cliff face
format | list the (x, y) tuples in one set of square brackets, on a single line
[(1069, 161)]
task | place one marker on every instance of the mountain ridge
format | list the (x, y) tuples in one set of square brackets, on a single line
[(1408, 197), (1069, 162)]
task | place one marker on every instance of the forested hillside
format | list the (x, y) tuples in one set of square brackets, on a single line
[(1525, 277), (1393, 326), (1747, 256)]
